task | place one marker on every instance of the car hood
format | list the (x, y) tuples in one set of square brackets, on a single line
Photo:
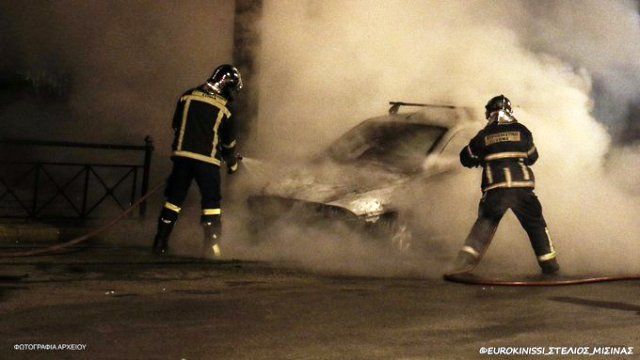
[(363, 189), (331, 183)]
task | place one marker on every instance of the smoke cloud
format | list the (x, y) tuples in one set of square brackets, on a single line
[(571, 68), (601, 36), (326, 66)]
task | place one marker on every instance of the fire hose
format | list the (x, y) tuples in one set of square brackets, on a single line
[(469, 279), (466, 278), (58, 247)]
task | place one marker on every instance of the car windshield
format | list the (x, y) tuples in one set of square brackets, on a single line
[(396, 144)]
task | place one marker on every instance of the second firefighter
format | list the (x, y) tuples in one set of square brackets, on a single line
[(505, 150)]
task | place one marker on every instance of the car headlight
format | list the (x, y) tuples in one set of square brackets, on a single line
[(370, 207)]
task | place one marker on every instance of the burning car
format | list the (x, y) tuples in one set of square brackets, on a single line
[(359, 178)]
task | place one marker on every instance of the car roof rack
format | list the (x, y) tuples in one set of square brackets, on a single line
[(395, 106)]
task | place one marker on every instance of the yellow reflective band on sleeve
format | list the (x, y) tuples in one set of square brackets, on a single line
[(532, 150), (211, 212), (506, 155), (547, 257), (470, 250), (229, 145), (172, 207), (234, 167)]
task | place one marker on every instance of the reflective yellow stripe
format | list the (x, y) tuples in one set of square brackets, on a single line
[(211, 211), (216, 250), (514, 184), (172, 207), (506, 155), (507, 176), (200, 157), (549, 239), (470, 250), (547, 257), (219, 98), (234, 167), (219, 103), (525, 171), (214, 148), (532, 150), (183, 125), (489, 174)]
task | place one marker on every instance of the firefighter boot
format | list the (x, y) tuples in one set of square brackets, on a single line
[(465, 262), (550, 267), (161, 242), (211, 244), (168, 218)]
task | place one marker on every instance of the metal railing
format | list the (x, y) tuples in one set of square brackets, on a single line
[(32, 187)]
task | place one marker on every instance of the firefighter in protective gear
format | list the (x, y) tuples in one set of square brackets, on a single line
[(204, 138), (505, 150)]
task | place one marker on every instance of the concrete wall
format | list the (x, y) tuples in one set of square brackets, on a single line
[(127, 62)]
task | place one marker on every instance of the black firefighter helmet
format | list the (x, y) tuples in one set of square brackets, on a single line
[(498, 103), (225, 81)]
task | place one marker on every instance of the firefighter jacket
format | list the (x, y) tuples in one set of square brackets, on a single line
[(203, 128), (504, 150)]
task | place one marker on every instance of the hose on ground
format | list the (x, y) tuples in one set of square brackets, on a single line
[(474, 280), (58, 247)]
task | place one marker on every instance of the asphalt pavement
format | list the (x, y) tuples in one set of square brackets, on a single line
[(124, 303)]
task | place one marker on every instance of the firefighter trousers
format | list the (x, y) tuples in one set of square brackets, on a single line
[(525, 205), (206, 175)]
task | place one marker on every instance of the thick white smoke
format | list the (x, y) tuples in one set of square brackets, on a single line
[(602, 36), (325, 66)]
